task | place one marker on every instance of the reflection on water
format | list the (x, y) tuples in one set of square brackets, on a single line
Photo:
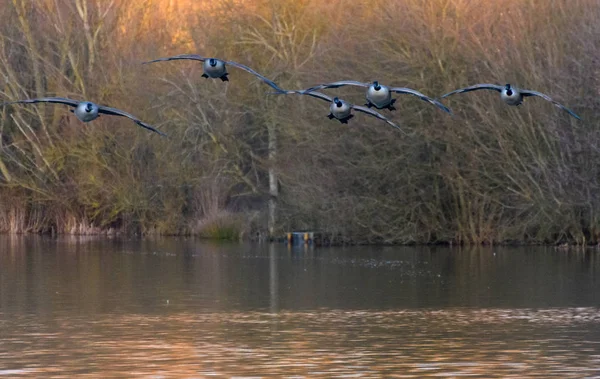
[(326, 343), (180, 308)]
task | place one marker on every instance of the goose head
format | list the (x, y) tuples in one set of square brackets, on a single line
[(376, 86), (337, 102), (508, 89), (89, 107), (212, 62)]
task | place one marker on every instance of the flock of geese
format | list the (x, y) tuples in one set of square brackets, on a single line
[(378, 95)]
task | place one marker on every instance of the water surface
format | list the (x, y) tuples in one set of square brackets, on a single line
[(183, 308)]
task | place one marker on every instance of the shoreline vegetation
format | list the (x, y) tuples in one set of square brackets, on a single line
[(490, 174)]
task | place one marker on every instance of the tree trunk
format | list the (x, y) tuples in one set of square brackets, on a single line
[(273, 188)]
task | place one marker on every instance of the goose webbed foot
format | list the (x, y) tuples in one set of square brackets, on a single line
[(391, 106), (345, 119), (205, 76), (368, 104), (224, 78), (330, 116)]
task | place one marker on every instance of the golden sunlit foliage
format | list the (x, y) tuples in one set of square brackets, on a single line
[(489, 174)]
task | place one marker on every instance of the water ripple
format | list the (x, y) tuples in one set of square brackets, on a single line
[(508, 343)]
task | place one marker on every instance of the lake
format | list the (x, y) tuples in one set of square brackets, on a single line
[(186, 308)]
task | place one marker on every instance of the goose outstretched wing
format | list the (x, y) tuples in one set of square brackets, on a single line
[(118, 112), (56, 100), (526, 93), (475, 87), (421, 96), (373, 113), (261, 77), (193, 57), (338, 84)]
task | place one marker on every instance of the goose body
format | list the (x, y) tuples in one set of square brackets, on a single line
[(86, 111), (379, 95), (512, 95), (341, 109), (215, 68)]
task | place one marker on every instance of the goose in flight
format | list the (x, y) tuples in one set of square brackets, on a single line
[(340, 109), (378, 95), (512, 95), (86, 111), (217, 69)]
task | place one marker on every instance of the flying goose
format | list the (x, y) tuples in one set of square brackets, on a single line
[(216, 68), (86, 111), (378, 95), (340, 109), (512, 95)]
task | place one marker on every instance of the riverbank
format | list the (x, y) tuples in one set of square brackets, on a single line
[(323, 240)]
